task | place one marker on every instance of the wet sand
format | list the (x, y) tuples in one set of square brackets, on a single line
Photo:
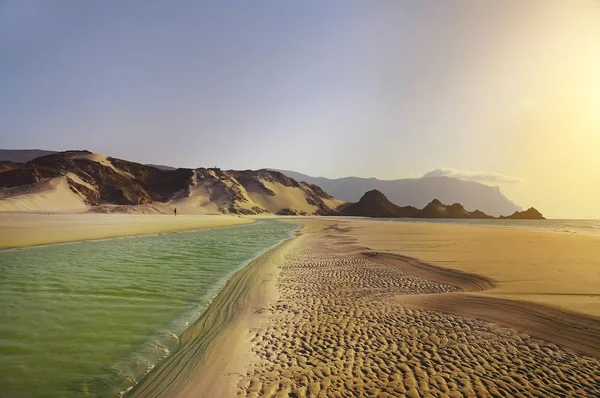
[(323, 315), (26, 229)]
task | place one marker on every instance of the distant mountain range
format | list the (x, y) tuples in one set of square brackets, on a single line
[(410, 192), (416, 192), (375, 204), (22, 155)]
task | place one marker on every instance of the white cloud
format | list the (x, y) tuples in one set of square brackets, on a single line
[(481, 176)]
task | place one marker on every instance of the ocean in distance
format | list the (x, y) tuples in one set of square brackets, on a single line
[(583, 227)]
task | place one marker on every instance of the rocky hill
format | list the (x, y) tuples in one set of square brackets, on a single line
[(375, 204), (84, 181), (436, 209), (529, 214), (417, 192)]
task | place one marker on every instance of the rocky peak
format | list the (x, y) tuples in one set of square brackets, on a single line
[(530, 214)]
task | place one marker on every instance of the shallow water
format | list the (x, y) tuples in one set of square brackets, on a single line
[(90, 318)]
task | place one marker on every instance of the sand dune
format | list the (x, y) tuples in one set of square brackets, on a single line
[(49, 195), (285, 197)]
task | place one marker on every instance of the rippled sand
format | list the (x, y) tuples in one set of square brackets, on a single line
[(337, 331), (322, 316)]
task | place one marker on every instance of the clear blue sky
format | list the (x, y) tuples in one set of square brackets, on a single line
[(335, 88)]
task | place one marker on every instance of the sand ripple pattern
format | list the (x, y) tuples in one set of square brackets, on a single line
[(334, 334)]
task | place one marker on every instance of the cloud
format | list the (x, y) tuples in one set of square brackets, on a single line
[(481, 176)]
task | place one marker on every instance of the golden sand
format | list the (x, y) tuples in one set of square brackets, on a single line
[(23, 229), (347, 322), (557, 269)]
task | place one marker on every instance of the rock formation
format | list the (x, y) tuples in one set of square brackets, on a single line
[(529, 214), (375, 204)]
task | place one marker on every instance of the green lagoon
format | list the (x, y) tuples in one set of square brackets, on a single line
[(90, 318)]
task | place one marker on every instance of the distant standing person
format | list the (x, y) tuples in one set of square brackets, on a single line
[(175, 211)]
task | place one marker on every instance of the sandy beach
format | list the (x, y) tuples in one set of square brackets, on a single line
[(324, 315), (556, 269), (28, 229)]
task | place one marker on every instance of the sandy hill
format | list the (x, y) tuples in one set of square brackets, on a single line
[(82, 181), (417, 192)]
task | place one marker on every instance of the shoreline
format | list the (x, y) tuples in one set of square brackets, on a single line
[(239, 345), (20, 230), (235, 308), (29, 230), (504, 276)]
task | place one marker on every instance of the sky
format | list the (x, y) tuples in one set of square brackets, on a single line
[(502, 92)]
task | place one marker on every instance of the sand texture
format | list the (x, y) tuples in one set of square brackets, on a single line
[(339, 330), (215, 351), (555, 269), (18, 230), (324, 316)]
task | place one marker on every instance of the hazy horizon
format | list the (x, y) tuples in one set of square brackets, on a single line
[(504, 93)]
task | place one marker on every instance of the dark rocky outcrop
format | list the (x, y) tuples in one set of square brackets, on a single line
[(529, 214), (375, 204), (91, 196), (113, 187), (479, 214), (8, 165), (287, 212), (436, 209), (26, 174), (160, 184)]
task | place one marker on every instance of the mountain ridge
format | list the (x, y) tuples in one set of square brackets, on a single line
[(82, 181), (375, 204), (140, 184), (416, 192)]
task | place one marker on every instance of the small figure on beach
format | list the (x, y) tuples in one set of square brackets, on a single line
[(175, 211)]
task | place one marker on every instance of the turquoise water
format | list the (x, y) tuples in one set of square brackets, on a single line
[(91, 318)]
